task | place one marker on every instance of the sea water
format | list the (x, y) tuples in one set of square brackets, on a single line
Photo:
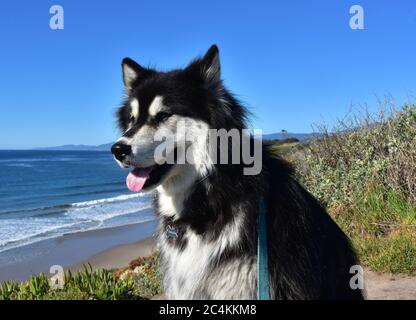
[(45, 194)]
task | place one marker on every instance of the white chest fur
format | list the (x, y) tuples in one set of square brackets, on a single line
[(196, 271)]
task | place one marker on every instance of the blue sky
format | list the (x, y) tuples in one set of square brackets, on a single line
[(293, 63)]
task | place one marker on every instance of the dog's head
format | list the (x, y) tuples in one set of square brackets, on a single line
[(184, 103)]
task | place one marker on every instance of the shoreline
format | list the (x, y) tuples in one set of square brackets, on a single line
[(103, 248), (119, 256)]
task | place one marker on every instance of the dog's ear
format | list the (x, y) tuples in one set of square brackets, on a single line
[(207, 68), (132, 73), (210, 64)]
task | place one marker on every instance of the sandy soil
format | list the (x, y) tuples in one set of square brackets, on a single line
[(389, 287), (119, 256)]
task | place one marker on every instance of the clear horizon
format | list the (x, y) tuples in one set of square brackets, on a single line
[(293, 63)]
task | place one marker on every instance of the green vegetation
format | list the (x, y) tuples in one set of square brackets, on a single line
[(364, 172), (139, 281)]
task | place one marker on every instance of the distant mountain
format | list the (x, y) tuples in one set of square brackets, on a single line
[(79, 147), (107, 146)]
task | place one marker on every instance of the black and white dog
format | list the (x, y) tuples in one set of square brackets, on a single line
[(209, 210)]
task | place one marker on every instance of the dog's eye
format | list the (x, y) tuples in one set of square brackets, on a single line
[(132, 119), (161, 116)]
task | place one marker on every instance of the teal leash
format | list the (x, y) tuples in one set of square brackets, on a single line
[(263, 289)]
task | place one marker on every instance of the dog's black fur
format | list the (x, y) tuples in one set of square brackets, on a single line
[(309, 256)]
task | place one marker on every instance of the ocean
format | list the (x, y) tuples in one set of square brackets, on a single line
[(46, 194)]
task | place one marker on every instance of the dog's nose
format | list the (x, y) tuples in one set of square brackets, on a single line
[(120, 150)]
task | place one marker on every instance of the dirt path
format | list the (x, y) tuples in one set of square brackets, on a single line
[(389, 287)]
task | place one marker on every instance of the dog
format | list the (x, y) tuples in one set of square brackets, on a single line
[(208, 211)]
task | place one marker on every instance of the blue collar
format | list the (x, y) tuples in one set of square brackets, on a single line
[(263, 289)]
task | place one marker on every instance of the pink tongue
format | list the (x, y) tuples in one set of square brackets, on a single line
[(137, 178)]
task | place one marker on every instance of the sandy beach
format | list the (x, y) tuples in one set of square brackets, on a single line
[(119, 256), (103, 248)]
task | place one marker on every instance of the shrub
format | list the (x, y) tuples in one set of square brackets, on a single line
[(364, 172), (362, 150), (144, 272), (87, 284)]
